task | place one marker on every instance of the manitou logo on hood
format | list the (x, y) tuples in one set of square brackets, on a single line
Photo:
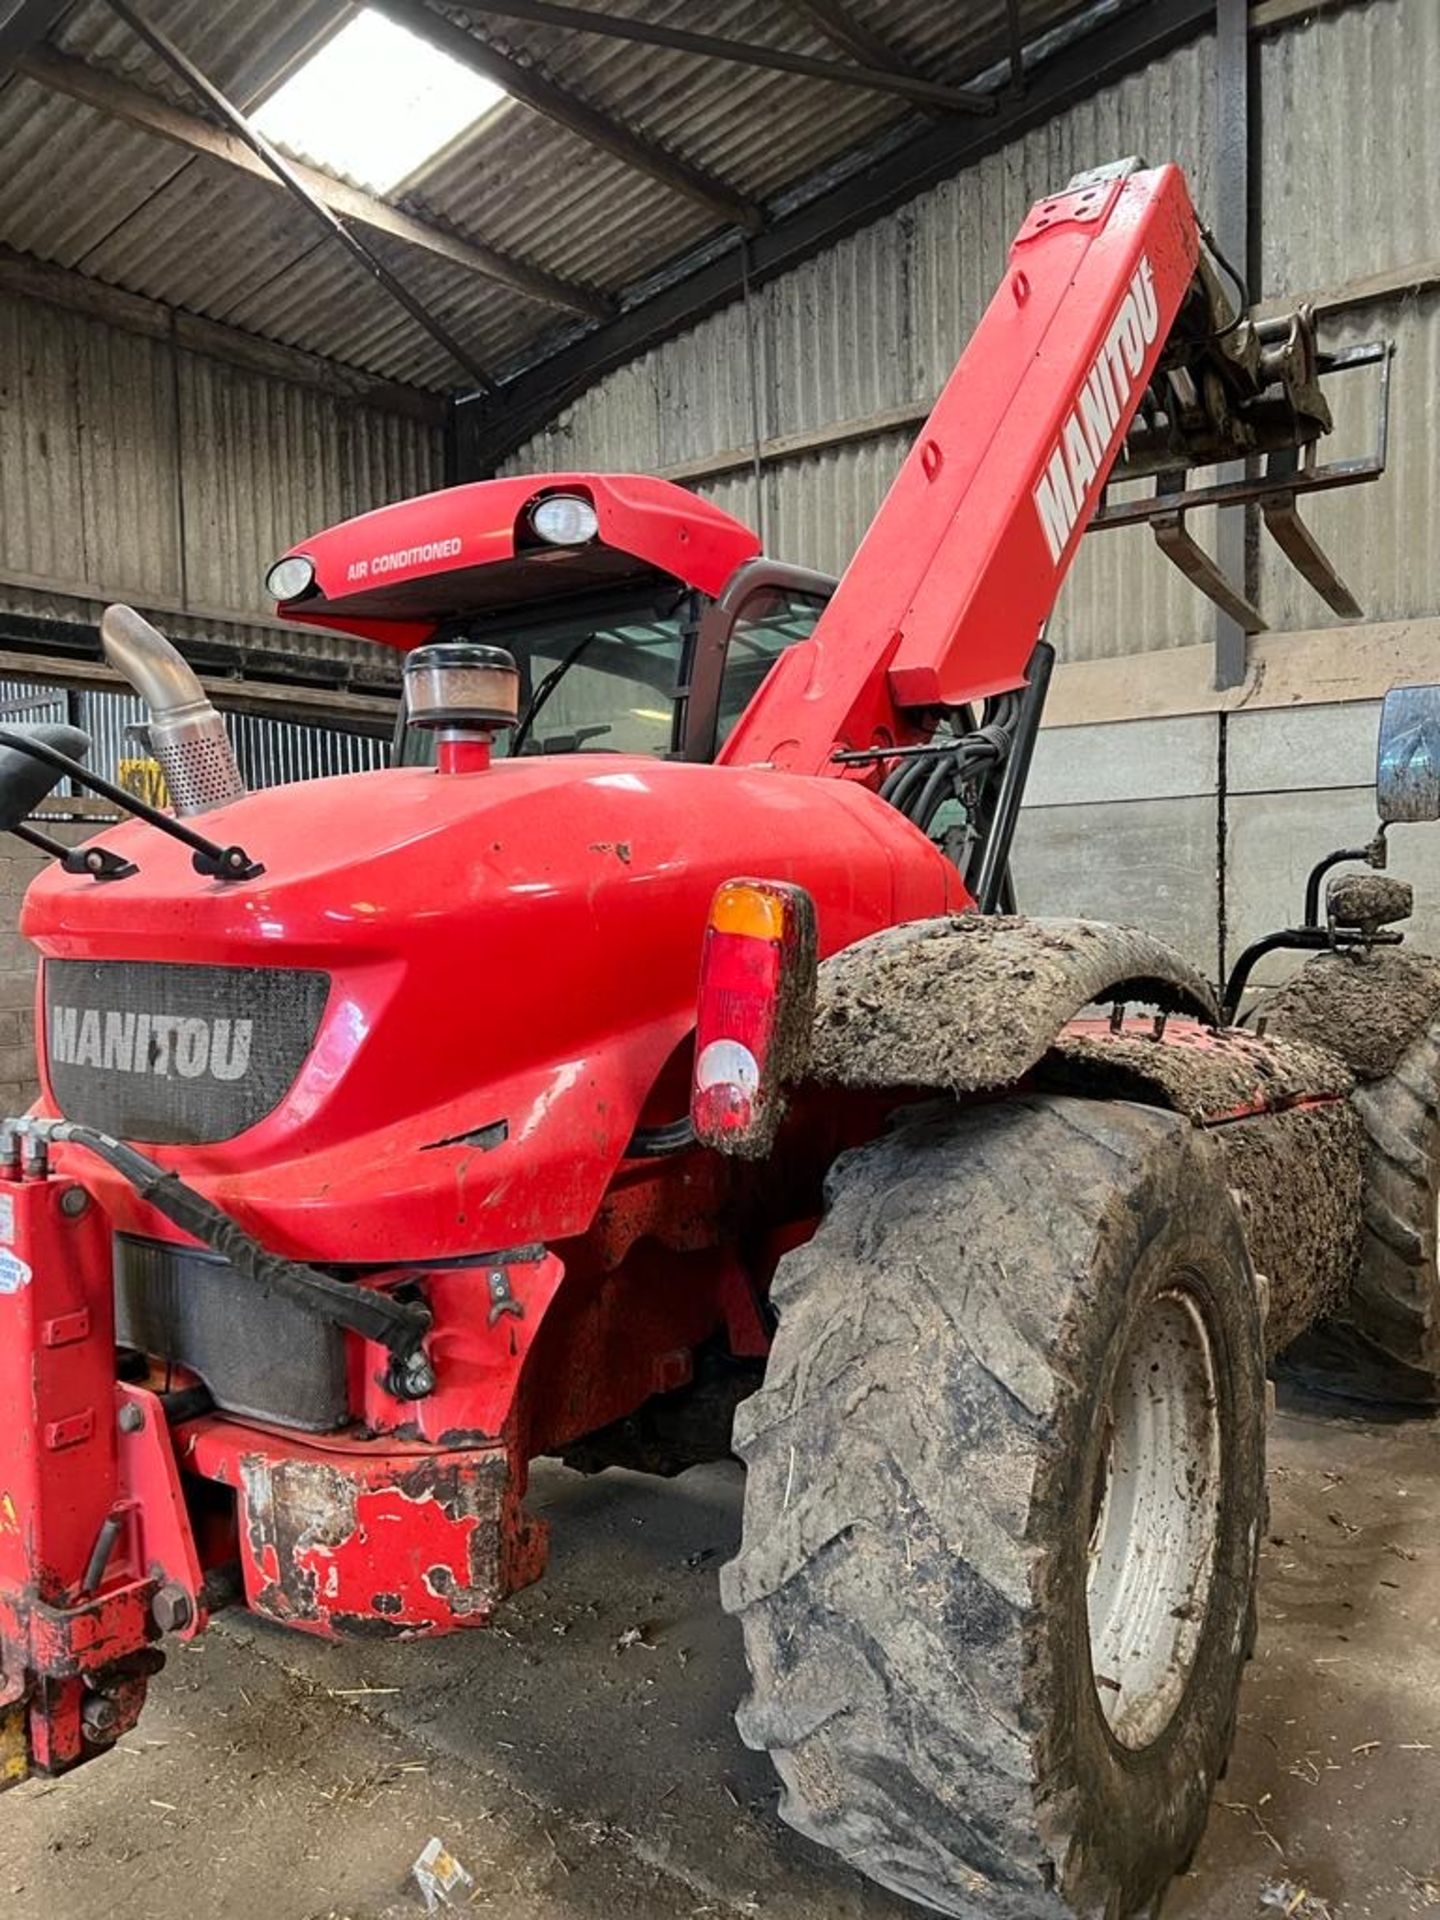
[(156, 1043), (1092, 426)]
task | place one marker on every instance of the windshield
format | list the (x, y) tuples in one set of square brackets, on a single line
[(601, 680)]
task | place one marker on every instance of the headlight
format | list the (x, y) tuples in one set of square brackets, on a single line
[(291, 577), (565, 520)]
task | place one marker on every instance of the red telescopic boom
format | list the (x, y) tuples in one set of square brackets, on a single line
[(946, 596)]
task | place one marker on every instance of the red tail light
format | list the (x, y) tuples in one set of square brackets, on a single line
[(757, 1002)]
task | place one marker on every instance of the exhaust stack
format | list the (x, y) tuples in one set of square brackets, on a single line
[(187, 735)]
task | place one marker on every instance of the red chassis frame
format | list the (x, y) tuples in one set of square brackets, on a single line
[(512, 958)]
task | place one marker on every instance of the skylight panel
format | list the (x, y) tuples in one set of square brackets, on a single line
[(374, 103)]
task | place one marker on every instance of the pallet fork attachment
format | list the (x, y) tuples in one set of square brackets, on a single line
[(1290, 469)]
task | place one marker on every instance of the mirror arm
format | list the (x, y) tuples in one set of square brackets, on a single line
[(1375, 855), (220, 863), (1296, 940)]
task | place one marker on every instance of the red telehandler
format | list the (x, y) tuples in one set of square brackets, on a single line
[(656, 1039)]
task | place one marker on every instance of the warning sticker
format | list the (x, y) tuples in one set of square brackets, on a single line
[(14, 1274), (7, 1219)]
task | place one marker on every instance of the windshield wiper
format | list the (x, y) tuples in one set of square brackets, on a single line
[(543, 692)]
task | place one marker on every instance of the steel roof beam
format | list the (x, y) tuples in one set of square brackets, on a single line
[(597, 129), (840, 27), (369, 261), (121, 101), (489, 430), (280, 696), (1015, 42), (880, 78), (23, 25)]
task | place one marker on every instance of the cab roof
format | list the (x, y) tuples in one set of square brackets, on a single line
[(400, 572)]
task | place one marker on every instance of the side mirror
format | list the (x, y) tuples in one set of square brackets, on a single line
[(25, 780), (1407, 766)]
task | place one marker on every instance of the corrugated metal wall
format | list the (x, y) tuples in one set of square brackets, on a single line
[(130, 469), (270, 752), (877, 323), (1349, 154)]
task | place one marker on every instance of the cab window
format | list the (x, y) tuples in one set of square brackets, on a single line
[(773, 619), (603, 680)]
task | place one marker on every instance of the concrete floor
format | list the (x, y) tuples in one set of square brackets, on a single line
[(578, 1770)]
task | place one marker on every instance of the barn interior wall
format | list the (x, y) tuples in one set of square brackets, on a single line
[(1204, 826), (132, 468)]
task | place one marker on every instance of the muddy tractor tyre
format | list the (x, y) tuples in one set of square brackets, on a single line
[(1384, 1346), (1006, 1480)]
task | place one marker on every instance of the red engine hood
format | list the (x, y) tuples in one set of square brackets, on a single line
[(518, 945)]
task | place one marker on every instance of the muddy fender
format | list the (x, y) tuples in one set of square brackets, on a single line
[(969, 1002), (1369, 1008)]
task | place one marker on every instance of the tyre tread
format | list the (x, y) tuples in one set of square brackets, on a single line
[(861, 1774), (1385, 1343)]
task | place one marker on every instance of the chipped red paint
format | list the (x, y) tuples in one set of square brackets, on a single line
[(379, 1539)]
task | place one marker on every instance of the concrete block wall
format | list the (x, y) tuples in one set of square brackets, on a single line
[(1204, 826), (1121, 823)]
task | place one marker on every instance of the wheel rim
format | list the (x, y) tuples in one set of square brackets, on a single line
[(1156, 1520)]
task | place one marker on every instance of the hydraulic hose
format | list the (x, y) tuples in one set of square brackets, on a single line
[(398, 1325)]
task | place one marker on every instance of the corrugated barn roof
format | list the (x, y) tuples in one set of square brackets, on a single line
[(112, 167)]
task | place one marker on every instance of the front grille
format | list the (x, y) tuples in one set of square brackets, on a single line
[(175, 1055), (259, 1355)]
